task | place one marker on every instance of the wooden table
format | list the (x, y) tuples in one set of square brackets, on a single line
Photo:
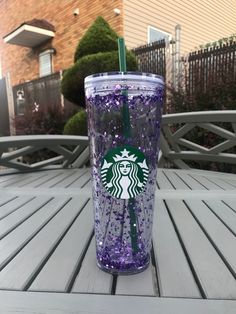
[(47, 250)]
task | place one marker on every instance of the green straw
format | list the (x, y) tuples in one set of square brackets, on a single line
[(125, 109), (127, 134)]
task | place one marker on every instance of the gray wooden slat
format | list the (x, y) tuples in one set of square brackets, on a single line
[(223, 184), (4, 199), (230, 181), (33, 176), (90, 278), (231, 203), (20, 178), (81, 181), (18, 272), (224, 212), (23, 212), (73, 177), (53, 179), (224, 240), (5, 178), (48, 175), (162, 181), (175, 180), (221, 175), (203, 180), (46, 191), (24, 179), (216, 280), (14, 241), (174, 273), (10, 207), (34, 179), (195, 185), (139, 284), (15, 302), (57, 273), (88, 185)]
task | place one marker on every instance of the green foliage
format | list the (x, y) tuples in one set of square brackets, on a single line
[(49, 120), (98, 38), (219, 42), (219, 96), (77, 125), (72, 85), (97, 52)]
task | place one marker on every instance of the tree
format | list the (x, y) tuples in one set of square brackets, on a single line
[(96, 52)]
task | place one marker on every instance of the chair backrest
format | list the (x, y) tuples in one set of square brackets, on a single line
[(179, 138), (24, 153)]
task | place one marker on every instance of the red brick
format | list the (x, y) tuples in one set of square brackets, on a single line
[(21, 62)]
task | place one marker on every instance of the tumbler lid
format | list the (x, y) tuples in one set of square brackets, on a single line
[(139, 76)]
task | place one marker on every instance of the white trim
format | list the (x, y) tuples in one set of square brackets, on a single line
[(48, 52), (11, 107), (170, 141), (158, 30), (45, 52), (0, 66), (29, 28)]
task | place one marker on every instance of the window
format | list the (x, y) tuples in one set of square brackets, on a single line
[(45, 62), (155, 34)]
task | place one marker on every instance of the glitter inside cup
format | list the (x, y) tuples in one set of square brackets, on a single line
[(106, 94)]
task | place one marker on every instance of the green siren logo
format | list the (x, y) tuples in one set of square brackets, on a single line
[(124, 172)]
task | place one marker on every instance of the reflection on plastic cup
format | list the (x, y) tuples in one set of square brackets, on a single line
[(124, 166)]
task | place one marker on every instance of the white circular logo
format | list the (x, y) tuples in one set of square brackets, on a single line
[(124, 172)]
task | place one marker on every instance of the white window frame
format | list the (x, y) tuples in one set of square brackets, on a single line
[(158, 30), (49, 52)]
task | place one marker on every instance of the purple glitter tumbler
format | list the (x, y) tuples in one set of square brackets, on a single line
[(124, 156)]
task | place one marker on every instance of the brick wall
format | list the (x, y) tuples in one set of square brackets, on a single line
[(23, 63)]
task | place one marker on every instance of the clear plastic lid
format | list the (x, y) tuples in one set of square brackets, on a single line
[(124, 76)]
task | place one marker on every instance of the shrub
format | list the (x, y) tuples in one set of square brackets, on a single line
[(220, 95), (73, 80), (100, 37), (50, 120), (77, 125), (96, 52), (40, 120)]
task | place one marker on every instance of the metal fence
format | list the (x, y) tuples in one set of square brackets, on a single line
[(151, 58), (212, 66), (200, 69), (43, 92), (4, 112)]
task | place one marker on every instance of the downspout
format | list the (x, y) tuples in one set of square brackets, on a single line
[(177, 57), (0, 67)]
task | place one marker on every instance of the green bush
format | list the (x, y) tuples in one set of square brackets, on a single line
[(100, 37), (46, 120), (219, 96), (72, 85), (77, 125), (96, 52)]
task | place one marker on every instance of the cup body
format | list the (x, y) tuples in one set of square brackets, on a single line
[(124, 116)]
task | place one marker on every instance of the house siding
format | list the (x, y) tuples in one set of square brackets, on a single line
[(23, 63), (201, 21)]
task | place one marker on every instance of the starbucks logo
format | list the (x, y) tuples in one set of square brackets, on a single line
[(124, 172)]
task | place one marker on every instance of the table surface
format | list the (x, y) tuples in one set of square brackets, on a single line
[(47, 249)]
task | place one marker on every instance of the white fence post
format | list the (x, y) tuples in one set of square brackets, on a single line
[(10, 101), (177, 56), (62, 96), (169, 48), (1, 67)]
